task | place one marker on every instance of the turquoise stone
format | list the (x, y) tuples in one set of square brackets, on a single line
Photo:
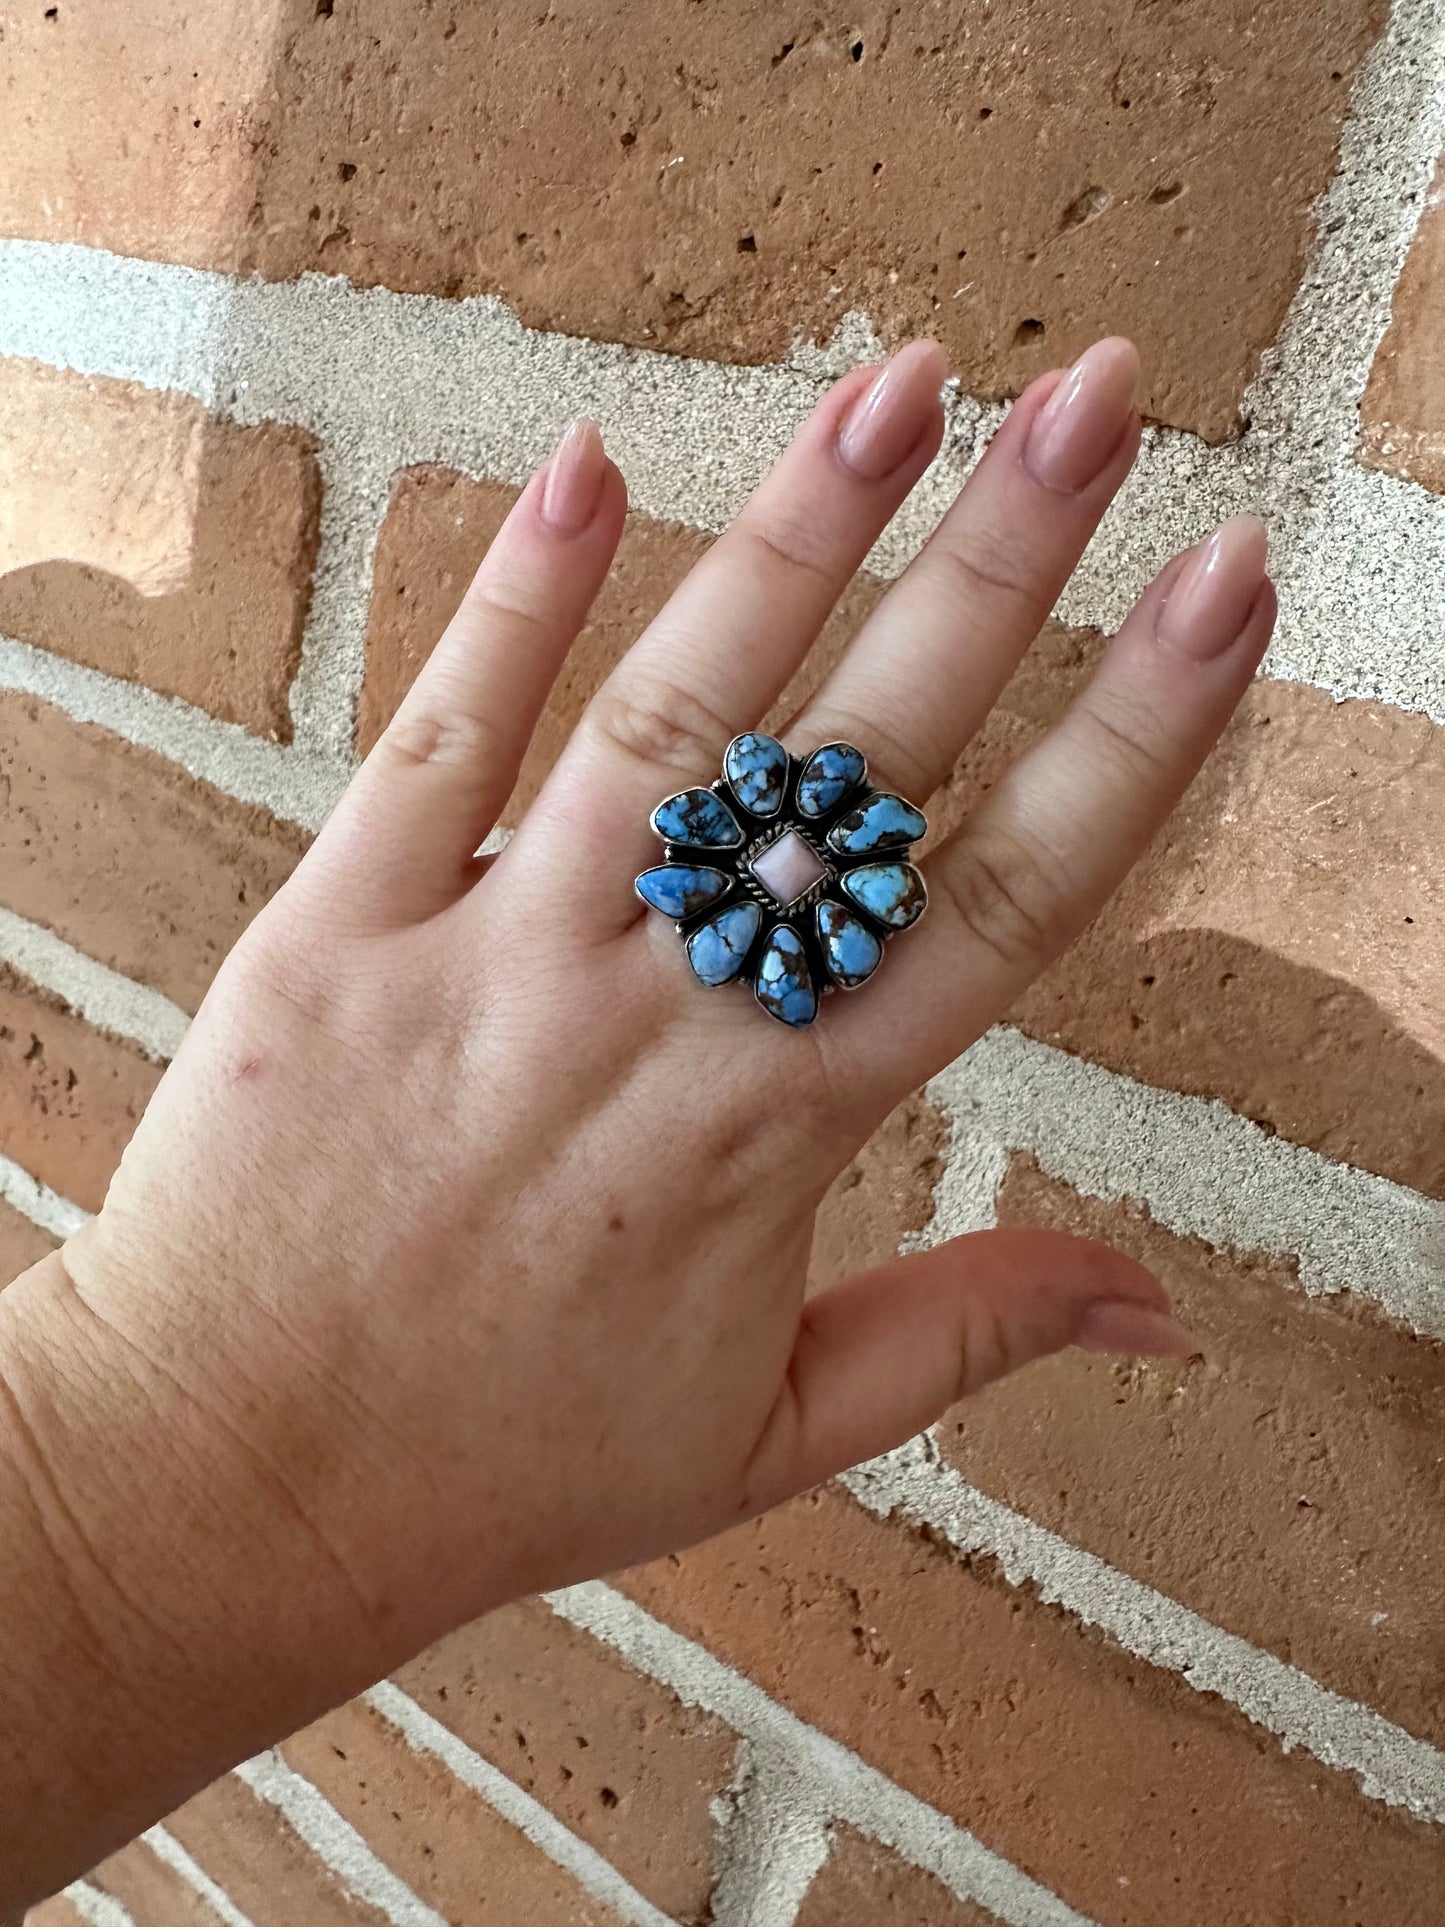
[(757, 769), (884, 822), (680, 889), (784, 983), (892, 892), (828, 775), (850, 950), (719, 948), (699, 818)]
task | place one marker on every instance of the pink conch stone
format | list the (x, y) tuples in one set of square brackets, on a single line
[(788, 867)]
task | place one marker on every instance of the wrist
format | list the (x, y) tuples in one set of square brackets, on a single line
[(170, 1606)]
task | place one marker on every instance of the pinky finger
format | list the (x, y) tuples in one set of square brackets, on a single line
[(401, 842), (1058, 834)]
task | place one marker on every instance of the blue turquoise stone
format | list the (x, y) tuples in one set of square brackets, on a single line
[(784, 983), (679, 889), (882, 823), (892, 892), (717, 950), (699, 818), (850, 950), (828, 775), (757, 768)]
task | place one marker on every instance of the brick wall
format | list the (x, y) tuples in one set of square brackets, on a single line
[(1155, 1646)]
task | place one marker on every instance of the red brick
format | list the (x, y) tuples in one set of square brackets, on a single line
[(453, 1849), (70, 1095), (22, 1244), (716, 180), (614, 1755), (153, 542), (436, 531), (1108, 1780), (1275, 949), (884, 1195), (267, 1870), (1402, 414), (1318, 1417), (58, 1912), (862, 1882), (125, 855), (151, 1891)]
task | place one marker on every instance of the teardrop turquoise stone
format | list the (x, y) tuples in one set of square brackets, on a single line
[(828, 775), (895, 893), (681, 889), (756, 767), (884, 822), (700, 818), (784, 983), (850, 950), (718, 950)]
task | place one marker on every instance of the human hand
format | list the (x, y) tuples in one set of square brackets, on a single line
[(463, 1245)]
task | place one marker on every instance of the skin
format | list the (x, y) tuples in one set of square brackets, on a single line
[(461, 1251)]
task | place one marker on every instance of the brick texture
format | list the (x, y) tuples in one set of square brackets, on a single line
[(125, 855), (151, 1890), (611, 1753), (450, 1847), (1317, 1418), (70, 1096), (22, 1244), (147, 540), (1402, 415), (1133, 1797), (1276, 947), (861, 1882), (715, 181)]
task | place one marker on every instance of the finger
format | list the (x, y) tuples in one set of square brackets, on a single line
[(880, 1358), (736, 629), (928, 665), (404, 835), (1060, 831)]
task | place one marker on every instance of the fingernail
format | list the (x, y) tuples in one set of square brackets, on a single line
[(575, 474), (1079, 426), (886, 421), (1211, 600), (1118, 1325)]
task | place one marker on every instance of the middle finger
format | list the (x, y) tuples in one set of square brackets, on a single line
[(928, 665)]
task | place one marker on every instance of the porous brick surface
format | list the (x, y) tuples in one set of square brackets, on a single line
[(722, 182)]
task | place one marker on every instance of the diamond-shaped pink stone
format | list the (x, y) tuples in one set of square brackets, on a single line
[(788, 867)]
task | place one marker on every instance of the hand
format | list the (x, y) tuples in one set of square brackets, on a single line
[(461, 1252)]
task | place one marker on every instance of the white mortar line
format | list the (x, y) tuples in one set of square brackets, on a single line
[(772, 1837), (101, 996), (1201, 1170), (166, 1847), (98, 1907), (335, 1842), (292, 784), (1393, 1765), (38, 1202), (542, 1827), (839, 1780)]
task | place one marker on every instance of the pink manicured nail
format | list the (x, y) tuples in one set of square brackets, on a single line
[(573, 487), (1079, 426), (1116, 1325), (1211, 600), (886, 422)]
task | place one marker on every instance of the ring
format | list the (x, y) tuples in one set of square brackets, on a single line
[(805, 879)]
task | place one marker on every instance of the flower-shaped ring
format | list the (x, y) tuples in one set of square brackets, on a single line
[(788, 874)]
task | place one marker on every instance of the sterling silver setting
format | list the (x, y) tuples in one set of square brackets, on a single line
[(788, 874)]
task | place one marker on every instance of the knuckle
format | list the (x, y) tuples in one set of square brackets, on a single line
[(1129, 744), (1008, 900), (664, 726), (984, 570), (429, 736), (790, 545)]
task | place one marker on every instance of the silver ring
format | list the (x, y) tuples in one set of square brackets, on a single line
[(789, 874)]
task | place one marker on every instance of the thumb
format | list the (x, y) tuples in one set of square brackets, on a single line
[(879, 1358)]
